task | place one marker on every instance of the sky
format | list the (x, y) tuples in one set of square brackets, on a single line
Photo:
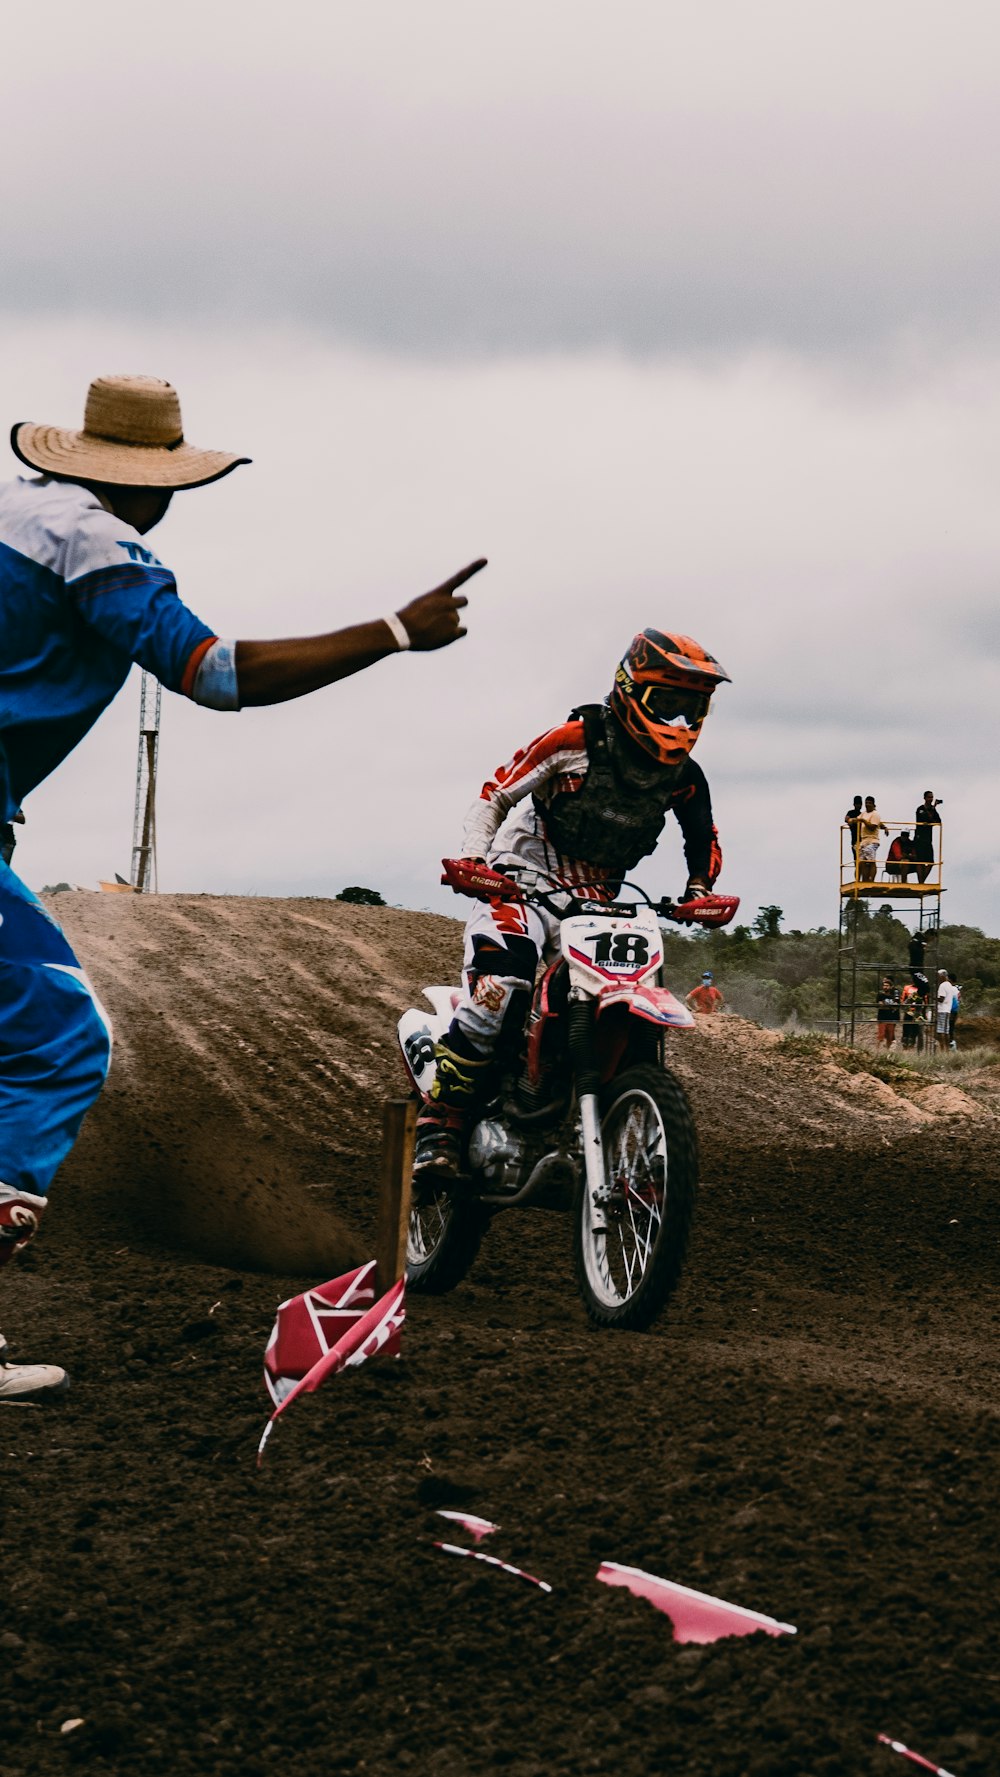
[(681, 315)]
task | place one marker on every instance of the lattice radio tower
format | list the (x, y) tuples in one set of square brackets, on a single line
[(143, 877)]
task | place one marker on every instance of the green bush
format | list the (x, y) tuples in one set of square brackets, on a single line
[(870, 1061), (361, 897)]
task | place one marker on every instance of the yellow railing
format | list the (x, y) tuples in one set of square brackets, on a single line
[(878, 875)]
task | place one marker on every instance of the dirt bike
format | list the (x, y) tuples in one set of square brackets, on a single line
[(586, 1117)]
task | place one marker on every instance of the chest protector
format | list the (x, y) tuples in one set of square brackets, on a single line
[(616, 817)]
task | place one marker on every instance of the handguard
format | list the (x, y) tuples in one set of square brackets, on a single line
[(708, 910), (478, 880)]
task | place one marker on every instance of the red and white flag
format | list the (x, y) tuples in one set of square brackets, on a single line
[(332, 1328), (696, 1616)]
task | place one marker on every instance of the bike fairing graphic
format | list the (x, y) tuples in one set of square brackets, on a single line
[(418, 1034)]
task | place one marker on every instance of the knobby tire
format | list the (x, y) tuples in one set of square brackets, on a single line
[(437, 1265), (647, 1088)]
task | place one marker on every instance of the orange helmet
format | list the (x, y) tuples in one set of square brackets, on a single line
[(661, 693)]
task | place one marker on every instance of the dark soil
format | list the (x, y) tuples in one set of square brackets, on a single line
[(812, 1431)]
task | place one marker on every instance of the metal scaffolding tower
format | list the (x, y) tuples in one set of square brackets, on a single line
[(914, 889), (143, 877)]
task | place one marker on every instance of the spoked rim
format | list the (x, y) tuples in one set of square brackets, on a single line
[(636, 1162), (428, 1224)]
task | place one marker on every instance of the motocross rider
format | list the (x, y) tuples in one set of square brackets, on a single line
[(594, 795)]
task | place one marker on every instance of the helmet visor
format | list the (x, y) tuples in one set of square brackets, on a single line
[(673, 706)]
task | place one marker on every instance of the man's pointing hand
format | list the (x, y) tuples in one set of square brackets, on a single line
[(433, 620), (272, 672)]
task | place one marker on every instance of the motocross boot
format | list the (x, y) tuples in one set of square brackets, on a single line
[(20, 1212), (458, 1086)]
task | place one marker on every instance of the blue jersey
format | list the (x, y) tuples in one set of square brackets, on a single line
[(81, 598)]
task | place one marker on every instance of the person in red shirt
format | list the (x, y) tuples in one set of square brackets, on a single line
[(899, 858), (706, 997)]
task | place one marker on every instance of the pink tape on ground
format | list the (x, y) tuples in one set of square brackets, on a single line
[(477, 1527), (696, 1616)]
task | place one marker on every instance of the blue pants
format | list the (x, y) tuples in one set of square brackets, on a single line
[(55, 1041)]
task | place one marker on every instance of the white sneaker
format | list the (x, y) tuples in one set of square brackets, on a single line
[(28, 1382)]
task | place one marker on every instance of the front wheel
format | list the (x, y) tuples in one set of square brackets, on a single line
[(442, 1240), (628, 1271)]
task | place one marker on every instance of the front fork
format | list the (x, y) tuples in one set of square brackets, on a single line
[(586, 1074)]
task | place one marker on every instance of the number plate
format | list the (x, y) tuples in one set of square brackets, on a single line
[(612, 948)]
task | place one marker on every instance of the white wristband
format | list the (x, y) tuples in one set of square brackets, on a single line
[(401, 634)]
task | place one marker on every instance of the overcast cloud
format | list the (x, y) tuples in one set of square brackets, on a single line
[(682, 315), (546, 174)]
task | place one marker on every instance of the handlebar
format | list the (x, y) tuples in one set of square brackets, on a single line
[(467, 877)]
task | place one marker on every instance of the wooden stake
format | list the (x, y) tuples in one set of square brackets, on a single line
[(399, 1131)]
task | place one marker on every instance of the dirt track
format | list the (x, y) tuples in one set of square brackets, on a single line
[(813, 1431)]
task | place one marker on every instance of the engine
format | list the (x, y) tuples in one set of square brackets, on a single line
[(497, 1152)]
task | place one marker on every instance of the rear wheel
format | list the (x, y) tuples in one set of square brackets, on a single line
[(627, 1272), (443, 1238)]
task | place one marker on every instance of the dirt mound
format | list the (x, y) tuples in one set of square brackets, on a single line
[(254, 1045), (811, 1431)]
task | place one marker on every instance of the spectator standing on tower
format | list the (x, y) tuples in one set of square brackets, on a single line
[(851, 819), (870, 825), (918, 945), (926, 819)]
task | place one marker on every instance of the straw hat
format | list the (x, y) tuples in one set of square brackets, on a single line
[(132, 437)]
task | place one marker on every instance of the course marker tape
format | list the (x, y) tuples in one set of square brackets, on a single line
[(915, 1757), (493, 1561)]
